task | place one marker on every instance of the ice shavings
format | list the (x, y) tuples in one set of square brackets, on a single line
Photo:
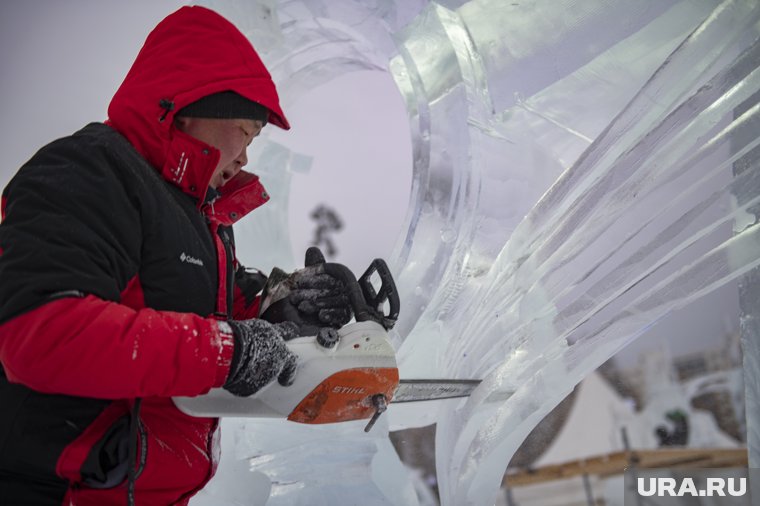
[(317, 465)]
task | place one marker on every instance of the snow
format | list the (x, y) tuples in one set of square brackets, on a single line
[(572, 186), (599, 415), (593, 425)]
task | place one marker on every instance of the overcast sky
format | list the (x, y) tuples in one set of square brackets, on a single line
[(62, 62)]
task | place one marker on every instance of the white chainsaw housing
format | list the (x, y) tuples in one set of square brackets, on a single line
[(362, 346)]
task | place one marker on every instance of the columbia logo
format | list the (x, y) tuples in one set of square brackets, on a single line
[(190, 260)]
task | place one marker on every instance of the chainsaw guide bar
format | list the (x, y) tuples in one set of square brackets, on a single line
[(413, 390)]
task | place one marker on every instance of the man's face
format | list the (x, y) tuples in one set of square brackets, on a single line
[(230, 136)]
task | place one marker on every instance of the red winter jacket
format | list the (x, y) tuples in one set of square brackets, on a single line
[(114, 270)]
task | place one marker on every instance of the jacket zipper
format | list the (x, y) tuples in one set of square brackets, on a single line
[(222, 304), (229, 279)]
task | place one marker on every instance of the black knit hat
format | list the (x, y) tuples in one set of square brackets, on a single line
[(225, 105)]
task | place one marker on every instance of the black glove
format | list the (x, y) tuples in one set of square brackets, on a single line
[(260, 356), (309, 296)]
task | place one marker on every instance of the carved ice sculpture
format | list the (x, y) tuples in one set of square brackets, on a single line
[(580, 171)]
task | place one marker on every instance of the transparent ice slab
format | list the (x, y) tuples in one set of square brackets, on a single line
[(572, 185)]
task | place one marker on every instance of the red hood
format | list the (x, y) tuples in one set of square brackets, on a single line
[(192, 53)]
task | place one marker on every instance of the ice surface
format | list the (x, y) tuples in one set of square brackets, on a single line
[(572, 185)]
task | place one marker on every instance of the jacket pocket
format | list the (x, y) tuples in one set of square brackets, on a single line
[(107, 463), (93, 459)]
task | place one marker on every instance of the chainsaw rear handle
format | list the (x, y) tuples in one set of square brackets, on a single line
[(387, 292), (366, 303)]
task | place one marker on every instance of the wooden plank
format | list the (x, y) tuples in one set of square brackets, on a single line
[(616, 463)]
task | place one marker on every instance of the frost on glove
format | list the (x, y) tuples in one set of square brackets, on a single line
[(260, 356), (310, 296)]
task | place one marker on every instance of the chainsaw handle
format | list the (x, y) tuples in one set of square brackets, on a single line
[(365, 301), (388, 292), (353, 290)]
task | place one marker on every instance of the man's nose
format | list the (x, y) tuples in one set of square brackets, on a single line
[(242, 159)]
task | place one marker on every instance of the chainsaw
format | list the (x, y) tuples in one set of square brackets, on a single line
[(343, 374)]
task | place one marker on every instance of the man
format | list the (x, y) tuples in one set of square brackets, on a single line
[(119, 286)]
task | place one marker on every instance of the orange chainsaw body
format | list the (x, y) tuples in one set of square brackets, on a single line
[(346, 395)]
